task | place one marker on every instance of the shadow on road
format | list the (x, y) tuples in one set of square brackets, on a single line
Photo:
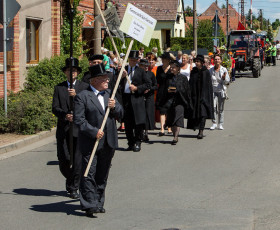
[(38, 192), (64, 207), (53, 163)]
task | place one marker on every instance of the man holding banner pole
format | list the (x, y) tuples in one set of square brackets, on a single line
[(133, 102), (90, 107)]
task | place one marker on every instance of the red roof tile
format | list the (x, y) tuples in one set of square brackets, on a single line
[(161, 10)]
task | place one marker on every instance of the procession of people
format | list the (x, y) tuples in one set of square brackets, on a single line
[(164, 93)]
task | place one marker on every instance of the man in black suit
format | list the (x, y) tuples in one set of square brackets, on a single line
[(90, 108), (133, 102), (61, 109)]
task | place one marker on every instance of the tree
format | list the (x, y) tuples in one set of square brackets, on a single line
[(188, 12), (224, 6), (275, 24), (204, 29), (78, 19)]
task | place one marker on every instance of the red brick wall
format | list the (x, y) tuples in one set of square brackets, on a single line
[(13, 70), (56, 27)]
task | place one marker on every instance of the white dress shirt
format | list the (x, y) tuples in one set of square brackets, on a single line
[(100, 97), (126, 88)]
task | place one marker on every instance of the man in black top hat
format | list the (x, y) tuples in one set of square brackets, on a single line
[(90, 108), (133, 101), (61, 109), (95, 60)]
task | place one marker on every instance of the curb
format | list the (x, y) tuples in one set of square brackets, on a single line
[(27, 141)]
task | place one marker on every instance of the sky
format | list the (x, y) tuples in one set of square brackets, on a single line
[(271, 8)]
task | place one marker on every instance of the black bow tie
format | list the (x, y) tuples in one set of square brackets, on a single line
[(101, 93)]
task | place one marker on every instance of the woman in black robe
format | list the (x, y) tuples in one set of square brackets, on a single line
[(201, 96), (178, 101), (149, 99), (163, 75)]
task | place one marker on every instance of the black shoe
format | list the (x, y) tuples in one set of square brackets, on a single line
[(175, 141), (130, 148), (91, 211), (145, 137), (73, 195), (102, 210), (200, 136), (137, 148), (160, 134)]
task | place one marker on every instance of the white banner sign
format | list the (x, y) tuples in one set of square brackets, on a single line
[(137, 24)]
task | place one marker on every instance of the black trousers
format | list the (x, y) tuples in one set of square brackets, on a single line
[(73, 174), (133, 132), (92, 187), (202, 123), (273, 60)]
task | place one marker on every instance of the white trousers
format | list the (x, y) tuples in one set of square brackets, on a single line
[(219, 102)]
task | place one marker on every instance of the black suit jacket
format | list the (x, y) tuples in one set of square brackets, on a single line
[(61, 105), (89, 116), (142, 81)]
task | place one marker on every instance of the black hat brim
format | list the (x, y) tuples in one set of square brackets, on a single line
[(79, 69), (98, 75)]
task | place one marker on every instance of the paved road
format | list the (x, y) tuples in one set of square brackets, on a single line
[(278, 36), (230, 180)]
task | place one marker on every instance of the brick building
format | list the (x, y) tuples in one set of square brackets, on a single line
[(37, 36), (209, 14)]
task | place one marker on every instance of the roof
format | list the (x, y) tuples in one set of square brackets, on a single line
[(161, 10), (210, 13)]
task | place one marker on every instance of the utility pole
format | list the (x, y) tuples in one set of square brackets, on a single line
[(5, 25), (251, 15), (97, 31), (227, 18), (194, 26), (261, 17), (243, 20)]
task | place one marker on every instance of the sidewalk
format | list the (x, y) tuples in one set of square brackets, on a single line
[(10, 141)]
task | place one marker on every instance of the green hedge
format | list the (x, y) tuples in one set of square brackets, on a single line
[(136, 45), (180, 43), (48, 73), (30, 110)]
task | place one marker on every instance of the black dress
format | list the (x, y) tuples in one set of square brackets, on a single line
[(162, 93), (178, 103)]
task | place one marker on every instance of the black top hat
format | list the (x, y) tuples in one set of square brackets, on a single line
[(96, 57), (200, 58), (143, 62), (74, 62), (97, 70), (134, 54), (175, 62), (166, 55)]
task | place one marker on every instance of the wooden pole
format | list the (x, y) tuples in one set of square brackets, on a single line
[(108, 109), (111, 37), (71, 99)]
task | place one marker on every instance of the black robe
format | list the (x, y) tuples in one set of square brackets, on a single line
[(162, 80), (150, 102), (201, 96)]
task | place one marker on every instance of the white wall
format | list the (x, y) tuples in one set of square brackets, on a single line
[(41, 10)]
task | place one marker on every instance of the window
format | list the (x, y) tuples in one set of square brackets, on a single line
[(32, 41)]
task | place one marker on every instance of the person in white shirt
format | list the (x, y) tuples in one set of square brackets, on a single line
[(278, 49), (220, 80), (186, 67)]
